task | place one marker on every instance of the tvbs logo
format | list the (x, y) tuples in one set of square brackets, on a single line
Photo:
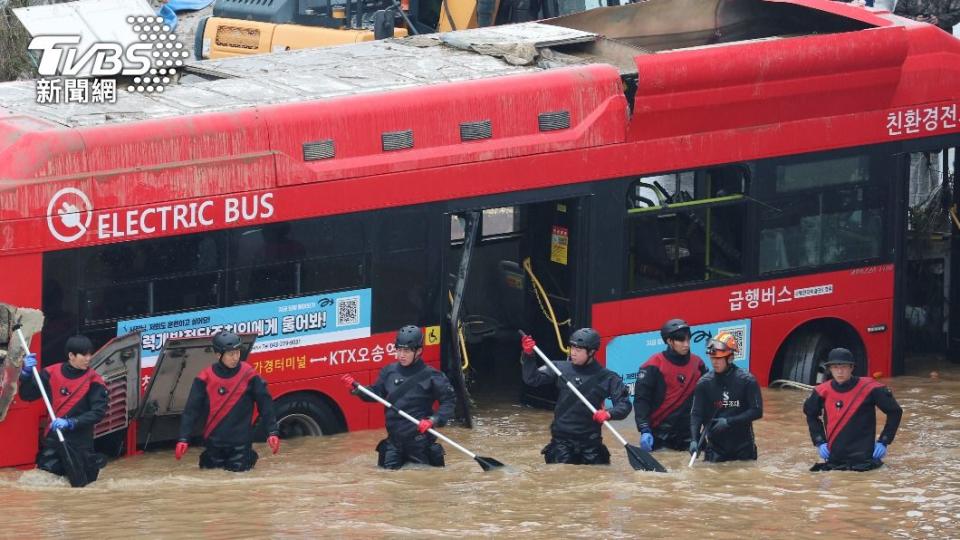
[(60, 55), (148, 60)]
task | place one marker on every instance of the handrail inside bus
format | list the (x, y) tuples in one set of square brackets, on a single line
[(725, 198), (544, 298)]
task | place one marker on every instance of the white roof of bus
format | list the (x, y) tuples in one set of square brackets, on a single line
[(325, 73)]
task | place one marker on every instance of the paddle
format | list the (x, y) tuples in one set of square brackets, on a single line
[(486, 462), (76, 473), (640, 459), (703, 436)]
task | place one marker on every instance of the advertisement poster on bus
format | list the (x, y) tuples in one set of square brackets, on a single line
[(279, 324), (625, 354)]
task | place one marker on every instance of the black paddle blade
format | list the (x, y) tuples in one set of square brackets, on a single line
[(74, 465), (488, 463), (641, 460)]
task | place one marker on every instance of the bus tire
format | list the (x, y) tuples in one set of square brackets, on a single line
[(802, 355), (305, 415)]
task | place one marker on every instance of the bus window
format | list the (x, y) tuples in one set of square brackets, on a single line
[(822, 212), (128, 280), (686, 227), (499, 221), (819, 174), (297, 257), (494, 222), (401, 281), (456, 229)]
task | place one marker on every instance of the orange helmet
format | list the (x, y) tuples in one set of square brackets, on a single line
[(722, 346)]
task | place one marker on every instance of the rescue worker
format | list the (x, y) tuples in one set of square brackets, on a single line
[(841, 415), (224, 393), (576, 432), (664, 390), (78, 395), (411, 386), (726, 401)]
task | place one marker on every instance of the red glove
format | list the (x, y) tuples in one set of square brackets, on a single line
[(527, 343), (180, 450), (274, 443), (348, 381), (601, 416), (424, 425)]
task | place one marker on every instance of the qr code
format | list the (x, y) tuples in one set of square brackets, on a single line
[(348, 311), (739, 333)]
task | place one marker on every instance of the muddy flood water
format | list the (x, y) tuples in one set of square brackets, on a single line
[(331, 487)]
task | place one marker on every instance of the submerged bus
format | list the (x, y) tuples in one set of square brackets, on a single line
[(739, 163)]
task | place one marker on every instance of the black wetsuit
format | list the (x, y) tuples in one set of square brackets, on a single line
[(86, 410), (668, 422), (228, 430), (412, 389), (577, 438), (845, 417), (734, 395)]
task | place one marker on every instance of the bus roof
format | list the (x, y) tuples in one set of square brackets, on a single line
[(611, 36)]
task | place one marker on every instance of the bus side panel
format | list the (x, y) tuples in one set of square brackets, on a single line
[(771, 332), (357, 413), (863, 297), (20, 430)]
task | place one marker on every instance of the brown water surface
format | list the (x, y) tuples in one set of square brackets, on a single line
[(330, 487)]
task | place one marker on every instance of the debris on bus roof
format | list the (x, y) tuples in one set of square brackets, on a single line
[(374, 66), (614, 36), (517, 44)]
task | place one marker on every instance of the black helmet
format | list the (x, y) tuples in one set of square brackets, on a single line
[(225, 341), (409, 337), (673, 329), (586, 338), (839, 356)]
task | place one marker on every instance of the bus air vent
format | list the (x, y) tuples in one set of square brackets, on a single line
[(474, 131), (552, 121), (312, 151), (397, 140), (238, 38), (116, 417)]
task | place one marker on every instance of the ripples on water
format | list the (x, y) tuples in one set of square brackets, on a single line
[(330, 486)]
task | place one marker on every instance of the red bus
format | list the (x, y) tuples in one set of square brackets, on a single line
[(743, 166)]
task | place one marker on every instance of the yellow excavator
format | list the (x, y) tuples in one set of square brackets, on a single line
[(244, 27)]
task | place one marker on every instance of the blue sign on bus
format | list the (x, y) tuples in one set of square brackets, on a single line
[(279, 324), (625, 354)]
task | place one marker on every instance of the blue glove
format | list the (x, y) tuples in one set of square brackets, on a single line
[(879, 450), (63, 424), (646, 441), (824, 451), (720, 424), (29, 362)]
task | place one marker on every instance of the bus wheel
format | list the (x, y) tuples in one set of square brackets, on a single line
[(802, 353), (304, 415)]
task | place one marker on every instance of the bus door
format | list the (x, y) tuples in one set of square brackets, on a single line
[(118, 362), (510, 268), (554, 272)]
